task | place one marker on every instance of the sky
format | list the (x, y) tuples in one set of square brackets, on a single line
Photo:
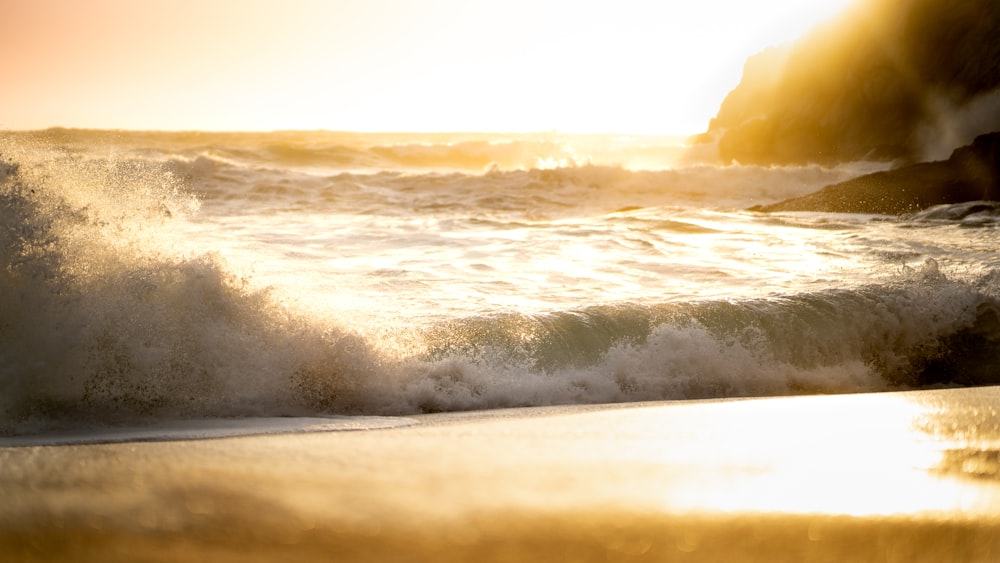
[(614, 66)]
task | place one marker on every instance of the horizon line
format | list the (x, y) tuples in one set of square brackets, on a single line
[(55, 128)]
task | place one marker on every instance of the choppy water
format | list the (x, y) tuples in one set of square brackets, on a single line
[(204, 274)]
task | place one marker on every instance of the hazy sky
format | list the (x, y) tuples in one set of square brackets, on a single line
[(627, 66)]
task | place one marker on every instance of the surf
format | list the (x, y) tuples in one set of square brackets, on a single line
[(137, 289)]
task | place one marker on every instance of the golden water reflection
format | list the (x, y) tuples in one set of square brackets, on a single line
[(888, 455)]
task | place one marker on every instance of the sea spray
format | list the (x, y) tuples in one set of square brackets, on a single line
[(875, 338), (103, 319), (189, 285)]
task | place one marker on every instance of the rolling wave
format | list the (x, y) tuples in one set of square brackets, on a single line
[(332, 150), (107, 316)]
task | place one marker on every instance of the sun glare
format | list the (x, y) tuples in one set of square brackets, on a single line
[(813, 468), (386, 65)]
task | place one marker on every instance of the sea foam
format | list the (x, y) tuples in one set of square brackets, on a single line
[(112, 313)]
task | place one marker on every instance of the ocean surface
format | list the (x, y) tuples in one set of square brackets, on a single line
[(160, 275)]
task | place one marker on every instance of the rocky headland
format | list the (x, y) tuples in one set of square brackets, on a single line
[(900, 81)]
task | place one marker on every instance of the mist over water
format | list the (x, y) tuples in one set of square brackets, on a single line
[(166, 275)]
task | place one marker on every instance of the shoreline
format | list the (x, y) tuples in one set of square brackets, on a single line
[(901, 476), (196, 429)]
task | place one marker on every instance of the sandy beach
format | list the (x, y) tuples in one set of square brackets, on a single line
[(874, 477)]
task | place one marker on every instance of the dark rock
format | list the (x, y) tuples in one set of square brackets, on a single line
[(878, 83), (971, 173)]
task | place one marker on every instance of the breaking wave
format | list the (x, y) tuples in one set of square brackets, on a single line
[(109, 315)]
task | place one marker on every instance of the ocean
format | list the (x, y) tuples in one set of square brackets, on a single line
[(174, 275)]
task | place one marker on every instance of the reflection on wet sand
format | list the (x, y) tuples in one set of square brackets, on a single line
[(878, 477)]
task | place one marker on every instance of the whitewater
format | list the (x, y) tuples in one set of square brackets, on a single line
[(165, 275)]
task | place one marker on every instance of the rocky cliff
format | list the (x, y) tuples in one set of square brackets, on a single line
[(900, 80)]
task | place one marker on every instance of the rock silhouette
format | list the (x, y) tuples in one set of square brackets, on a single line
[(971, 173), (890, 80)]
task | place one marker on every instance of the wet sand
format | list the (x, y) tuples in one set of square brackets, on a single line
[(879, 477)]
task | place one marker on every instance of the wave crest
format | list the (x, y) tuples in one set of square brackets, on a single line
[(912, 333), (108, 314)]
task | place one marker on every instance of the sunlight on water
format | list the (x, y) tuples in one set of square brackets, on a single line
[(409, 267), (870, 462), (267, 275)]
